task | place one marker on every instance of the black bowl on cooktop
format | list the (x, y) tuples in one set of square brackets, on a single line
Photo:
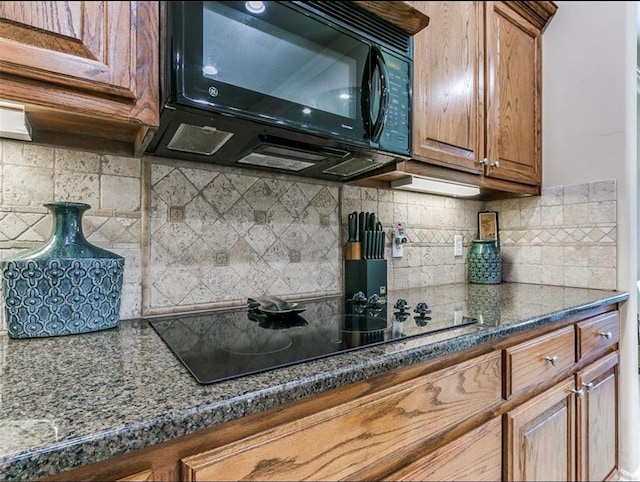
[(222, 345)]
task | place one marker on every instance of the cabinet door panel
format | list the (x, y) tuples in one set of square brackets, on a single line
[(598, 435), (540, 436), (448, 115), (514, 79), (87, 43)]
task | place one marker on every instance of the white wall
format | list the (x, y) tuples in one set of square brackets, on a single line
[(589, 127)]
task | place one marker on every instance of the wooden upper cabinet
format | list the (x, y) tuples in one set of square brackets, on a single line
[(83, 68), (448, 125), (513, 72), (477, 90)]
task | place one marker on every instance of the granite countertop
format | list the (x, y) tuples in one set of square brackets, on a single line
[(73, 400)]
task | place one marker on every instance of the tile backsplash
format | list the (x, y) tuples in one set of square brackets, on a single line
[(198, 236)]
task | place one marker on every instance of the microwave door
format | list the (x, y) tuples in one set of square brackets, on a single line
[(279, 65)]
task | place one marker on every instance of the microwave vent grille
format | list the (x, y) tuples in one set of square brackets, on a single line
[(353, 166), (198, 140), (366, 22)]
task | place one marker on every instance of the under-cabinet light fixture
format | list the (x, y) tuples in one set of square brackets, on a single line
[(13, 121), (435, 186)]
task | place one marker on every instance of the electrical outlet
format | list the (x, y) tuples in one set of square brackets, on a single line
[(457, 245), (397, 249)]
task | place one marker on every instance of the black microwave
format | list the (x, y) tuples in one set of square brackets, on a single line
[(317, 89)]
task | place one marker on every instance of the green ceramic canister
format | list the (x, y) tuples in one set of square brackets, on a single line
[(484, 262)]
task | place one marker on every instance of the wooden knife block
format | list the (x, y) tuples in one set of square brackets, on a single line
[(353, 251)]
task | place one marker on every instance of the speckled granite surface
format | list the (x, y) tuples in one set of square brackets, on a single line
[(70, 401)]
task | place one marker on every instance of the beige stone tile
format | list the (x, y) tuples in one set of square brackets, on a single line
[(602, 256), (120, 193), (576, 276), (78, 186), (509, 219), (531, 217), (602, 278), (27, 186), (385, 213), (552, 215), (400, 197), (576, 255), (602, 191), (576, 194), (122, 166), (552, 275), (552, 196), (76, 161), (602, 212), (131, 302), (369, 194), (26, 154), (552, 255), (414, 215), (576, 214), (351, 192)]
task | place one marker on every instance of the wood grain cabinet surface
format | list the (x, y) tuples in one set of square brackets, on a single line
[(336, 443), (87, 72), (477, 94), (449, 418), (570, 431)]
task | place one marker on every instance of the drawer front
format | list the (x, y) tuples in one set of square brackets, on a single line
[(475, 456), (340, 441), (535, 361), (597, 334)]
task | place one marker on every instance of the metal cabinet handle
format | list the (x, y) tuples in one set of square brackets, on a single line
[(588, 386), (553, 359), (579, 393), (495, 164), (606, 334), (484, 162)]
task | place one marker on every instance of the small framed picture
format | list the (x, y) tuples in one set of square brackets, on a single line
[(488, 225)]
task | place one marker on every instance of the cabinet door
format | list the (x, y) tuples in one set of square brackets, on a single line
[(475, 456), (448, 118), (598, 415), (70, 61), (540, 436), (513, 95)]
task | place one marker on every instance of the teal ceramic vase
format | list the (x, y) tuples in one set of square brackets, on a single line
[(484, 262), (65, 286)]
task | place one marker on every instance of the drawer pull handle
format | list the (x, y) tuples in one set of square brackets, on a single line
[(588, 386), (606, 334), (553, 359), (495, 164), (484, 162), (579, 393)]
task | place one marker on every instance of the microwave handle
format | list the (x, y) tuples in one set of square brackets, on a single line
[(384, 93)]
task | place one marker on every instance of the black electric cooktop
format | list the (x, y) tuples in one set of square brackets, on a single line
[(228, 344)]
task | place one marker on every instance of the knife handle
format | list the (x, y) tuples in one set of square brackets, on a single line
[(351, 228)]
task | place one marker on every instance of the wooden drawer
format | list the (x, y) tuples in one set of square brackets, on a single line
[(597, 334), (335, 443), (475, 456), (535, 361)]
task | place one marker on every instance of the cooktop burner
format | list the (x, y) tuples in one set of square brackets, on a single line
[(229, 344)]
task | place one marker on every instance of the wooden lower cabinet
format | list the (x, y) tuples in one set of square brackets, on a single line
[(475, 456), (540, 436), (598, 418), (540, 405), (363, 436)]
